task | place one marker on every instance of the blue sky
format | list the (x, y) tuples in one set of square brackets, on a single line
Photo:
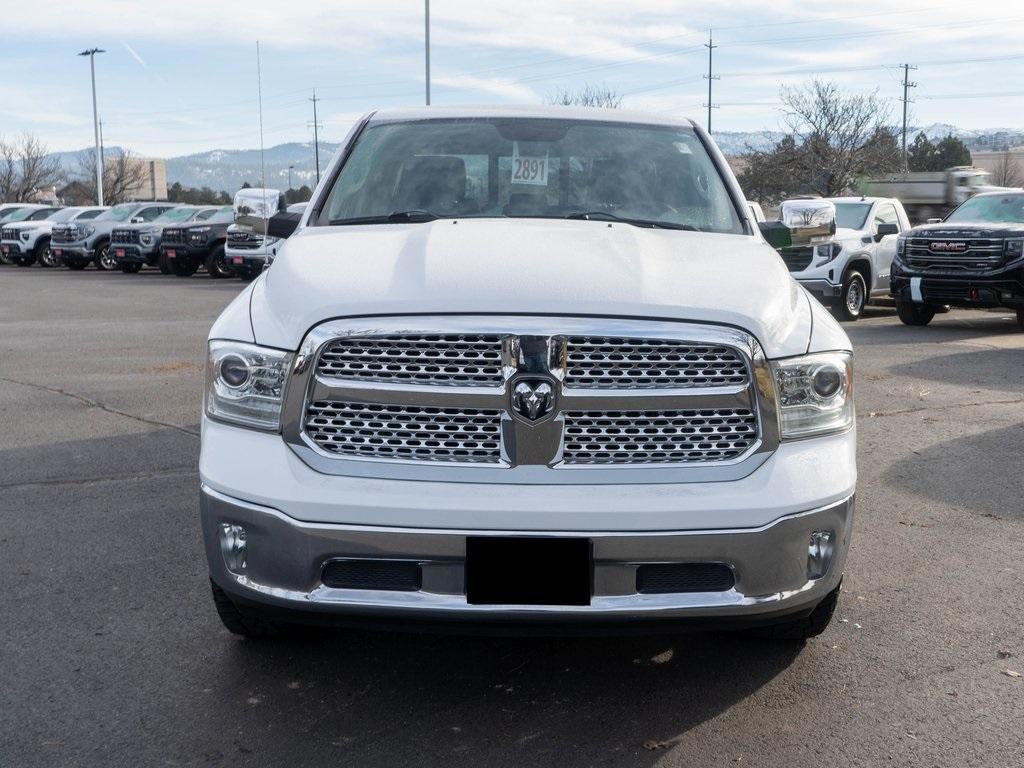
[(180, 77)]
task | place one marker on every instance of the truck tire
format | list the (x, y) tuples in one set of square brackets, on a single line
[(76, 264), (241, 623), (914, 314), (161, 262), (1020, 319), (44, 256), (216, 264), (853, 297), (247, 273), (803, 628), (131, 267), (105, 260), (183, 266), (25, 261)]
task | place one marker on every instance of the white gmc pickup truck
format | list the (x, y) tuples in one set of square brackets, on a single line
[(527, 367)]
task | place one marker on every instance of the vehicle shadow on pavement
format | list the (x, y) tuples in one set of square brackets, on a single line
[(375, 698), (976, 369), (994, 459)]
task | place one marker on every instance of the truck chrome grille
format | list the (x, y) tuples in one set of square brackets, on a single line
[(126, 236), (8, 233), (173, 236), (406, 432), (797, 258), (529, 399), (596, 362), (441, 360), (652, 437)]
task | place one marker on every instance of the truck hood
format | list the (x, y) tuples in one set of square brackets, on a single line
[(969, 228), (529, 266)]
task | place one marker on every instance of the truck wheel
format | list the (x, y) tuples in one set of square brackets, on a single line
[(804, 628), (25, 261), (240, 623), (105, 260), (44, 255), (183, 266), (5, 258), (216, 265), (131, 267), (852, 298), (76, 264), (165, 268), (914, 314), (247, 273)]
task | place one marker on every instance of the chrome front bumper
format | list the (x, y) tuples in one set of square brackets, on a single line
[(285, 558)]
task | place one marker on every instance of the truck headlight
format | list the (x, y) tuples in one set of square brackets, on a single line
[(826, 252), (245, 384), (1014, 249), (87, 230), (815, 394), (25, 236), (901, 245)]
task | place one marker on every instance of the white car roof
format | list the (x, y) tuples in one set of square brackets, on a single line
[(860, 199), (540, 111)]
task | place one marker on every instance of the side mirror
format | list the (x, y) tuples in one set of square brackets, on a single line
[(282, 225), (254, 206), (809, 220), (885, 230), (935, 221), (776, 233)]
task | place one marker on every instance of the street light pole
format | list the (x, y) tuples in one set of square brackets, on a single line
[(426, 48), (290, 177), (91, 53)]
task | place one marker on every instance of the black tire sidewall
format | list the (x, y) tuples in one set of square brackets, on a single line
[(216, 266)]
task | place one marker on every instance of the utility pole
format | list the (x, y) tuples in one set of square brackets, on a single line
[(710, 76), (91, 53), (316, 137), (907, 85), (426, 47), (103, 159)]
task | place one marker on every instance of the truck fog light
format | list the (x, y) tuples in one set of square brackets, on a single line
[(819, 553), (232, 544)]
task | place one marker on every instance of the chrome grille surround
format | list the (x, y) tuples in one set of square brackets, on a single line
[(441, 360), (658, 437), (980, 254), (406, 431), (328, 404), (616, 363)]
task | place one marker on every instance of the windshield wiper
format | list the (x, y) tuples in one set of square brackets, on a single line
[(650, 223), (397, 217)]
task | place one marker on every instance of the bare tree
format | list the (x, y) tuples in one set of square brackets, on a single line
[(123, 176), (1006, 172), (26, 168), (587, 96), (845, 135), (834, 139)]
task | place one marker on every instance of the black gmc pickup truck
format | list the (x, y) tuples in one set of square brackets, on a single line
[(974, 258), (185, 248)]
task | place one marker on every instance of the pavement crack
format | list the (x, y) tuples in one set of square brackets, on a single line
[(949, 407), (90, 403), (156, 474)]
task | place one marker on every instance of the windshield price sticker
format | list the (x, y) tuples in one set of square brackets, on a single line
[(529, 170)]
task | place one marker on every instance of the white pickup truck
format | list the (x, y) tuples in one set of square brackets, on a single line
[(846, 270), (527, 367)]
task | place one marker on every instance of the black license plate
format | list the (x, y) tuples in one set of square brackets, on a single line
[(528, 570)]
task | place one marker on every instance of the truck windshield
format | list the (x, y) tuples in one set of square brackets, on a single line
[(851, 215), (66, 214), (991, 208), (531, 168), (118, 212), (184, 213)]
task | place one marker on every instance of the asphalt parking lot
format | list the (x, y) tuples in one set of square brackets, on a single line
[(111, 653)]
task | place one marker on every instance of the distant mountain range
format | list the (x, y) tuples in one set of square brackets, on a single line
[(228, 169)]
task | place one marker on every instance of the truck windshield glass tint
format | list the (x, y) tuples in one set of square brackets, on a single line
[(531, 168), (177, 214), (996, 208), (851, 215)]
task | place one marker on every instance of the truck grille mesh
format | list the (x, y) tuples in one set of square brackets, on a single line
[(978, 253), (653, 437), (450, 360), (126, 236), (612, 363), (406, 432)]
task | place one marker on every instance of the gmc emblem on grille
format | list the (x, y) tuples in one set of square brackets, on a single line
[(533, 398), (945, 246)]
